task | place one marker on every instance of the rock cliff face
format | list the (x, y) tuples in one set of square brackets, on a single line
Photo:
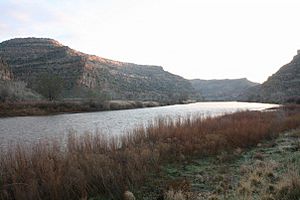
[(280, 87), (88, 75), (221, 90)]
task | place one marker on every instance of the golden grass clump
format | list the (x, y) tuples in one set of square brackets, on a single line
[(288, 187)]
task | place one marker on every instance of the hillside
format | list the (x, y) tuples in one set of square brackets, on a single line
[(221, 90), (12, 89), (89, 76), (282, 86)]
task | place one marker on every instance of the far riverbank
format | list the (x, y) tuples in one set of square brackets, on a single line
[(39, 108)]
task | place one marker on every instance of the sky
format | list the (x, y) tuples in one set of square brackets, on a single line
[(206, 39)]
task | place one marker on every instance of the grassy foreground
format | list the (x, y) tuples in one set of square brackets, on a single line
[(183, 159), (268, 171)]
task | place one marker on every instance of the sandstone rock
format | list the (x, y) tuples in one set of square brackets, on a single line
[(128, 195)]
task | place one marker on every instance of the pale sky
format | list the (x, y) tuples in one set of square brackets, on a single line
[(207, 39)]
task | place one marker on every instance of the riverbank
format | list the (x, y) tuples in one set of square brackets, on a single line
[(37, 108)]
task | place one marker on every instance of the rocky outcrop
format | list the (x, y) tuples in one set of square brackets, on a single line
[(281, 87), (221, 90), (88, 75)]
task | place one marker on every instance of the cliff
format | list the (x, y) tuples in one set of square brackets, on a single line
[(281, 87), (88, 76), (221, 90)]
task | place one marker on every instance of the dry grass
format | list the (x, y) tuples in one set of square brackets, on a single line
[(175, 195), (289, 187), (263, 182), (94, 165), (258, 181)]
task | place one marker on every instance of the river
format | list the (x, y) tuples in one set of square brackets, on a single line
[(34, 128)]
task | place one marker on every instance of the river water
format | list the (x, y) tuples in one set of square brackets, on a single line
[(33, 129)]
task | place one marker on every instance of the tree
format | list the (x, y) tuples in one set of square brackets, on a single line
[(4, 94), (50, 86)]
